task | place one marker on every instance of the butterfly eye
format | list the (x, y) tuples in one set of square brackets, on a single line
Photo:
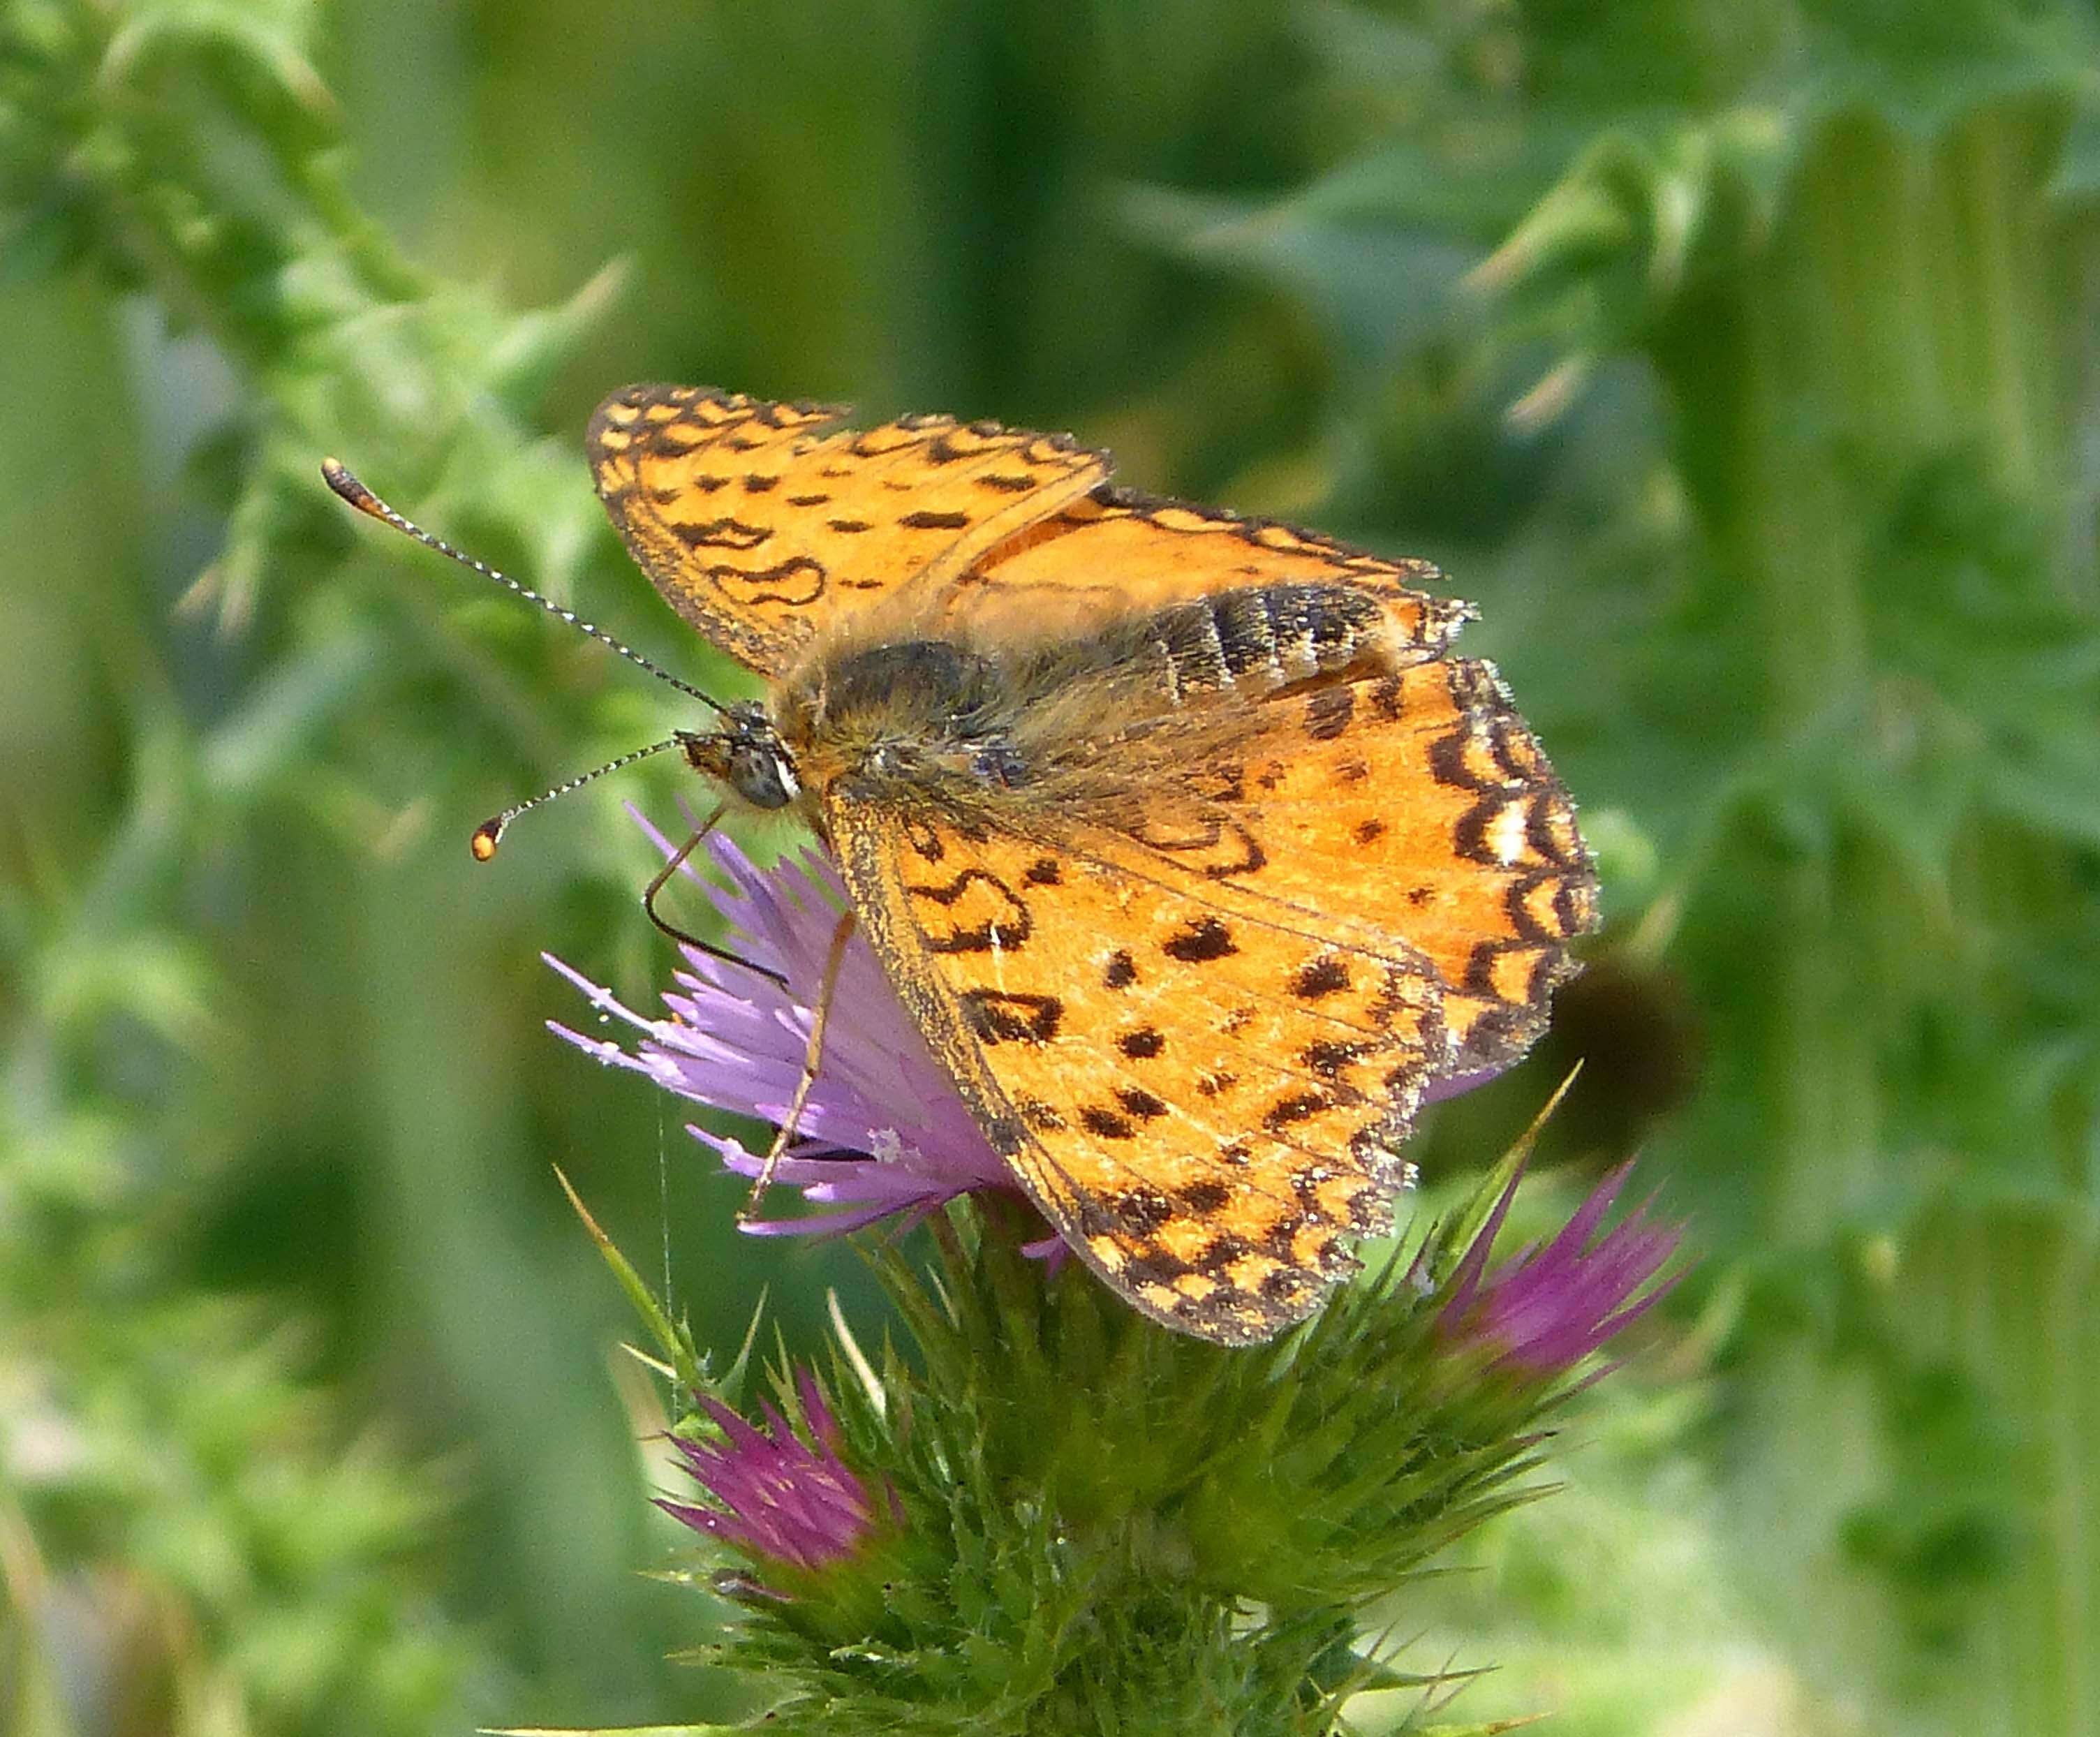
[(760, 776)]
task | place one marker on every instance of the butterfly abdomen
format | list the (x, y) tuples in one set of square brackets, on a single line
[(1262, 637)]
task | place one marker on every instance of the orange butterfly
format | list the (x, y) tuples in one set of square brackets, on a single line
[(1187, 843)]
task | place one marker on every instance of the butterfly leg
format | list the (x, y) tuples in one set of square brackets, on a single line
[(813, 1056), (676, 862)]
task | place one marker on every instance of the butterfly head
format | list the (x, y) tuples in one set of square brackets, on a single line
[(747, 754)]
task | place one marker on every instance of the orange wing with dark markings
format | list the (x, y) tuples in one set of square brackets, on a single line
[(761, 521), (1197, 1033), (1202, 1089), (1418, 800), (1118, 553)]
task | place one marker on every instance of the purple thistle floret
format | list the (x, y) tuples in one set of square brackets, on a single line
[(776, 1496), (883, 1132), (1543, 1310)]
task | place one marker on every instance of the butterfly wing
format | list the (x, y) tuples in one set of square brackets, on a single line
[(1117, 552), (1194, 1007), (760, 521), (1419, 800), (1202, 1088), (1325, 748)]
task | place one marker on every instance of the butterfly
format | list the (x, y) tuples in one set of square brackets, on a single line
[(1189, 844)]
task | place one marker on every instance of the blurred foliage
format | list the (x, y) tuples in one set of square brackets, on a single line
[(1740, 361)]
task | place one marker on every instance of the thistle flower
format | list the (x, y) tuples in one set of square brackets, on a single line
[(780, 1497), (883, 1131), (1542, 1310), (1112, 1527)]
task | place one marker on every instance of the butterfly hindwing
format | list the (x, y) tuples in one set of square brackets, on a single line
[(1117, 552), (1418, 798)]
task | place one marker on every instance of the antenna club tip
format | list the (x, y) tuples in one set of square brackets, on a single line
[(486, 837), (349, 488)]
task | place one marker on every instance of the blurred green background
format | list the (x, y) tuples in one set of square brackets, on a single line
[(1742, 362)]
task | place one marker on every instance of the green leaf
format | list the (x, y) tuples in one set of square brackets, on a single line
[(671, 1337)]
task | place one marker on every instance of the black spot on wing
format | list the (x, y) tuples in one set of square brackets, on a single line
[(721, 533), (1204, 939), (1321, 976), (1299, 1106), (1105, 1124), (798, 580), (1140, 1210), (1043, 1116), (1004, 1017), (1284, 1288), (1329, 1059), (1328, 712), (1009, 926)]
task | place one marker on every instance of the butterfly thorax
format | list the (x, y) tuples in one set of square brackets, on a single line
[(927, 714)]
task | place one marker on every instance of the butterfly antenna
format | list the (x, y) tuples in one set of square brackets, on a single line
[(357, 494), (489, 834)]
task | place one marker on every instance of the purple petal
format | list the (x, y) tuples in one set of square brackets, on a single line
[(777, 1493), (1458, 1085), (1543, 1310), (883, 1131)]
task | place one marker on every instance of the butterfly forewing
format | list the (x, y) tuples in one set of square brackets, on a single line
[(1202, 1089), (761, 525)]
